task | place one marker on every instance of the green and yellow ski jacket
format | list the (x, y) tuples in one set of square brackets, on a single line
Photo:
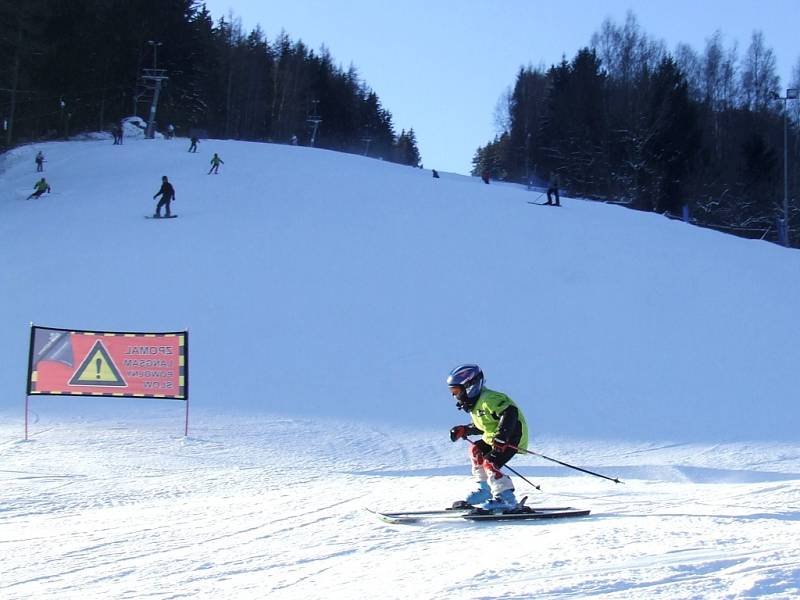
[(487, 412)]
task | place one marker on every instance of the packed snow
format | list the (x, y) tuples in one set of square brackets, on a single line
[(327, 296)]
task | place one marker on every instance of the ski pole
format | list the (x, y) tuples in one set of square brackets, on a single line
[(615, 480), (521, 476), (517, 473)]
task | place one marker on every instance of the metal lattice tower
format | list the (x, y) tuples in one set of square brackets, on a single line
[(154, 78), (314, 120)]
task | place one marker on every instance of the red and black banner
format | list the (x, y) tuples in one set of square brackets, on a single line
[(70, 362)]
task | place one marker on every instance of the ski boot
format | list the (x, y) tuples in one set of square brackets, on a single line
[(478, 496), (504, 501)]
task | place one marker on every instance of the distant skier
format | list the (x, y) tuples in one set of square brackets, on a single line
[(167, 193), (39, 162), (193, 145), (500, 423), (120, 132), (216, 161), (170, 131), (435, 174), (486, 176), (552, 189), (293, 140), (39, 188)]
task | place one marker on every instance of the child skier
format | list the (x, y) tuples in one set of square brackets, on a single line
[(39, 188), (500, 423), (216, 161)]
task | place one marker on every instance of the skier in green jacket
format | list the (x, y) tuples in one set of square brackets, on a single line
[(502, 428), (216, 161), (39, 188)]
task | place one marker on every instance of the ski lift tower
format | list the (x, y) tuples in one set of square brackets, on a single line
[(154, 77), (314, 120), (367, 139)]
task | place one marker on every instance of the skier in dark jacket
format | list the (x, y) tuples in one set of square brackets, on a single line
[(193, 145), (502, 428), (167, 193), (39, 161), (552, 190)]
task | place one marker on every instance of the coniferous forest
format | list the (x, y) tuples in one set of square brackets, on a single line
[(67, 67), (626, 121)]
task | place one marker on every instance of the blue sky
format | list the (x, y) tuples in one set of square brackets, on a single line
[(441, 66)]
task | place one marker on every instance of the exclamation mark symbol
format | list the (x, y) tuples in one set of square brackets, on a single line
[(97, 364)]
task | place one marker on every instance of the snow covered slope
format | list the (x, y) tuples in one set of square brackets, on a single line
[(327, 297), (321, 283), (257, 507)]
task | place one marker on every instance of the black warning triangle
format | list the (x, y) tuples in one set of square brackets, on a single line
[(97, 369)]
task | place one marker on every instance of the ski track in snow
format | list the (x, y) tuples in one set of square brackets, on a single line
[(250, 509)]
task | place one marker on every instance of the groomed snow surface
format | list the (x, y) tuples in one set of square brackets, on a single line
[(327, 296)]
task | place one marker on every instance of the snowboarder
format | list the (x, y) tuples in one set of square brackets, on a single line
[(216, 161), (435, 174), (167, 193), (39, 162), (39, 188), (503, 429), (193, 146), (552, 189)]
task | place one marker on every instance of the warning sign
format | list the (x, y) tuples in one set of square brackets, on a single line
[(69, 362), (98, 369)]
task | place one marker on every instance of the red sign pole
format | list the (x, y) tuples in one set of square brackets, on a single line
[(186, 379)]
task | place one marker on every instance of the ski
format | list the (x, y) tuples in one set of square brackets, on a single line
[(153, 217), (530, 513), (479, 514), (419, 515)]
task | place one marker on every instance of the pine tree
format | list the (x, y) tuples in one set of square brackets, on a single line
[(78, 63), (406, 152)]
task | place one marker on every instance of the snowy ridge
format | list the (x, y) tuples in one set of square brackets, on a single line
[(327, 296)]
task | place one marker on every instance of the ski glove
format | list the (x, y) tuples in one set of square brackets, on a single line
[(498, 451), (458, 432), (499, 445)]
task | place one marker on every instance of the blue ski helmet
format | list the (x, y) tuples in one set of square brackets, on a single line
[(468, 383)]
